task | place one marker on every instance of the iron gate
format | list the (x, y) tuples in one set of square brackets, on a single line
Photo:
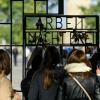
[(50, 29)]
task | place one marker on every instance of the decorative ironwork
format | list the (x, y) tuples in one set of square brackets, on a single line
[(53, 28), (80, 36), (61, 26), (39, 24)]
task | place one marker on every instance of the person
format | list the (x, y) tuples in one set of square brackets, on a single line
[(45, 81), (94, 60), (79, 67), (34, 61), (15, 54), (6, 90), (27, 54), (65, 55)]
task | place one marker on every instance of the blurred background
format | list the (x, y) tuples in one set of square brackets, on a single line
[(11, 26)]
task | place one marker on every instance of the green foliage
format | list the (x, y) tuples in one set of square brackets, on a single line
[(29, 6), (17, 14), (5, 33), (94, 9), (17, 11)]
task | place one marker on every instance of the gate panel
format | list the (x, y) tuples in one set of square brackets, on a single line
[(39, 29)]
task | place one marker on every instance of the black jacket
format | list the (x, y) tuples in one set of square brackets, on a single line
[(37, 92), (72, 91), (95, 58)]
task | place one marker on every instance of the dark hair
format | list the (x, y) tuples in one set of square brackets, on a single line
[(37, 58), (78, 56), (4, 62), (51, 59)]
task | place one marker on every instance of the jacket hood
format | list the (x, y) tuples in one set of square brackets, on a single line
[(77, 67)]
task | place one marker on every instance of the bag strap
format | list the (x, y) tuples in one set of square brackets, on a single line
[(87, 94)]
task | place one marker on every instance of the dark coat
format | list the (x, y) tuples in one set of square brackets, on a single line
[(25, 83), (72, 91), (34, 61), (37, 92), (95, 58)]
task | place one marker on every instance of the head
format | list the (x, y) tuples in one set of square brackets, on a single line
[(37, 58), (51, 57), (78, 56), (4, 62)]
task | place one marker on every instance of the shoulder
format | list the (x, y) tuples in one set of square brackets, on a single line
[(36, 79), (5, 89), (5, 82), (86, 76), (37, 75)]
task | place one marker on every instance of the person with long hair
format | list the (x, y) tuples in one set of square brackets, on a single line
[(45, 80), (34, 61), (6, 90), (79, 69), (94, 60)]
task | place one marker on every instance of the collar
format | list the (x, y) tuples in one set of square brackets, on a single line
[(77, 67)]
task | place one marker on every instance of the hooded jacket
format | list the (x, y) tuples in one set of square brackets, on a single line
[(72, 90)]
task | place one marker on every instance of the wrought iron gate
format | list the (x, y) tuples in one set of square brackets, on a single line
[(51, 29)]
